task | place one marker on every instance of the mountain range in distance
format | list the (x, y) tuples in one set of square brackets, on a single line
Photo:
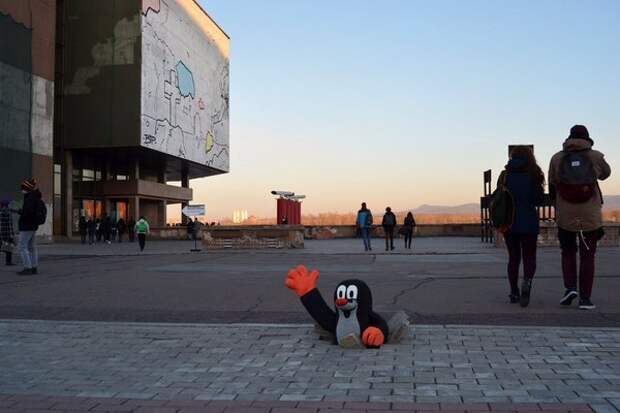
[(611, 202)]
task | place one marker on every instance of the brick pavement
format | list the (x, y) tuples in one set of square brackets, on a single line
[(175, 367)]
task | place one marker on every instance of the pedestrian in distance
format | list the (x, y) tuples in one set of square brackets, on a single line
[(106, 225), (91, 227), (113, 229), (121, 227), (407, 230), (7, 235), (131, 229), (195, 229), (190, 229), (364, 224), (99, 229), (524, 180), (142, 229), (388, 223), (82, 228), (32, 214), (574, 173)]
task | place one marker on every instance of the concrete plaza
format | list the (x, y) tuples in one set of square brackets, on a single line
[(173, 331)]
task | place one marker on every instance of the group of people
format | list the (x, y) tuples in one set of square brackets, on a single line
[(573, 178), (364, 224), (108, 231), (33, 213), (105, 229)]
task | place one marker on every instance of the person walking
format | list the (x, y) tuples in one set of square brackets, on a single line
[(91, 227), (106, 229), (99, 229), (32, 214), (388, 223), (408, 228), (131, 229), (142, 229), (82, 228), (525, 181), (195, 229), (7, 235), (113, 229), (574, 173), (190, 229), (121, 227), (364, 223)]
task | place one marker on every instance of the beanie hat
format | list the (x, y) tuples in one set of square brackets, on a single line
[(29, 185), (580, 132)]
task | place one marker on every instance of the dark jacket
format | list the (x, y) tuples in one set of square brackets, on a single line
[(527, 196), (409, 222), (121, 226), (389, 219), (28, 213), (6, 225), (92, 226), (82, 226)]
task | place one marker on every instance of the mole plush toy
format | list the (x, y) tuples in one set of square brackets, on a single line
[(352, 320)]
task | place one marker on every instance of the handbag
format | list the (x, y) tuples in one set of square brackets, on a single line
[(403, 230), (7, 246)]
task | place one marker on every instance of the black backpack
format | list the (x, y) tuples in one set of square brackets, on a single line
[(502, 206), (40, 214), (577, 177)]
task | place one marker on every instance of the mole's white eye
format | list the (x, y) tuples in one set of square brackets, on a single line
[(341, 292), (352, 292)]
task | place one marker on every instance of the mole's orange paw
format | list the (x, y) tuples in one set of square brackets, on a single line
[(301, 281), (373, 337)]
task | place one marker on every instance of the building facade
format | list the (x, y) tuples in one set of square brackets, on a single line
[(139, 97)]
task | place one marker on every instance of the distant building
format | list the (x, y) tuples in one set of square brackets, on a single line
[(240, 216), (108, 102)]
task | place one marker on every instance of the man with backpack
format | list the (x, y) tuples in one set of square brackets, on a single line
[(573, 183), (388, 224), (32, 214), (142, 229)]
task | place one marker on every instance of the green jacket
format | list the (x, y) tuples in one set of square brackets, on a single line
[(142, 227)]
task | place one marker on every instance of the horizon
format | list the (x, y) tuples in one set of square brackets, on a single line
[(407, 103)]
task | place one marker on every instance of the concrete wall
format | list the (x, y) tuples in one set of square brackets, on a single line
[(424, 230), (549, 236), (184, 83), (27, 48)]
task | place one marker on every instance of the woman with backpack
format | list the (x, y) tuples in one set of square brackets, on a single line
[(407, 229), (525, 181)]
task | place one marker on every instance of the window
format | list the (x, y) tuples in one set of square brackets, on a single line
[(88, 175)]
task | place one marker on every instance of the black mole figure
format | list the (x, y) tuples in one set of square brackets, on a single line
[(352, 320)]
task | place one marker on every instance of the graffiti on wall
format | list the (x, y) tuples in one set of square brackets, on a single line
[(185, 78)]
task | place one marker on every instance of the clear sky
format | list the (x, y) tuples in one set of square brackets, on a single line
[(404, 102)]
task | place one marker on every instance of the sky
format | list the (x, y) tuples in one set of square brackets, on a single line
[(405, 102)]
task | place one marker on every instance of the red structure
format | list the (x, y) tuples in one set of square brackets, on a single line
[(288, 211)]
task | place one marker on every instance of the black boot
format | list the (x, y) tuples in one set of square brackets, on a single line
[(515, 296), (526, 289)]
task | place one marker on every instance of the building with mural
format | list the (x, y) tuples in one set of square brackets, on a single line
[(124, 97)]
